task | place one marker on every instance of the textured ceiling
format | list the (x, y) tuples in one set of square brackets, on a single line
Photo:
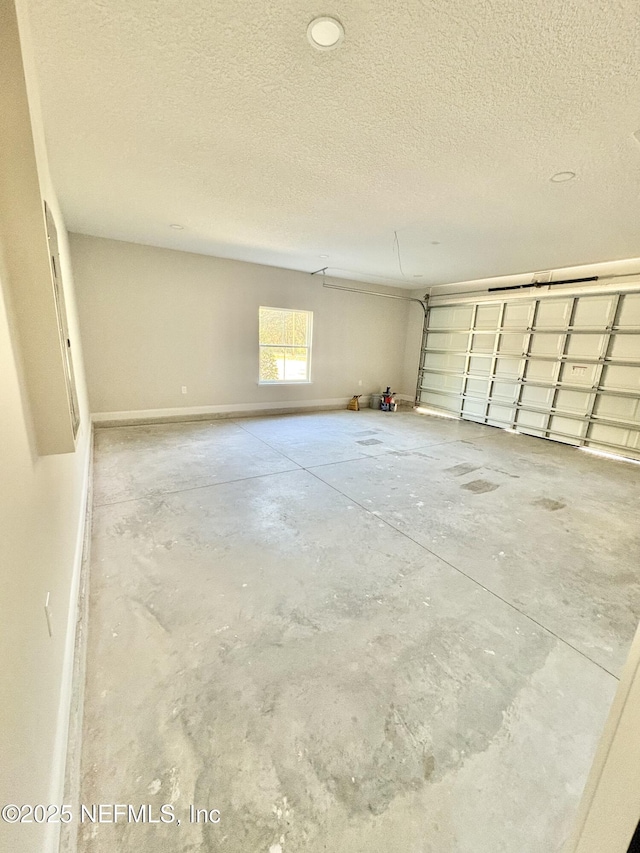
[(442, 121)]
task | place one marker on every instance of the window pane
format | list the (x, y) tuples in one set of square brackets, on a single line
[(295, 366), (289, 319), (271, 326), (301, 328), (272, 361)]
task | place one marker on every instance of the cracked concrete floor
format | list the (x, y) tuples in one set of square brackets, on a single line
[(355, 632)]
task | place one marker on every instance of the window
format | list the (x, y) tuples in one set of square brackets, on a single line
[(285, 345)]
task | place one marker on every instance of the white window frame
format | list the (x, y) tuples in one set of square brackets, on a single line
[(308, 347)]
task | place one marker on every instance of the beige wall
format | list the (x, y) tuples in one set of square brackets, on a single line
[(155, 319), (41, 519)]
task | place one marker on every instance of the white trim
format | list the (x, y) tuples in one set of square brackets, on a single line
[(227, 410), (59, 759)]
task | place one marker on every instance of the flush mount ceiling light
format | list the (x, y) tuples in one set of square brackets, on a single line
[(561, 177), (177, 227), (323, 256), (325, 33)]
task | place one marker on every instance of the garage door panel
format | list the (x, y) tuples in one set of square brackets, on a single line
[(575, 402), (586, 346), (474, 409), (625, 348), (483, 342), (629, 314), (447, 341), (548, 345), (541, 371), (539, 398), (593, 311), (534, 420), (443, 382), (480, 365), (621, 378), (568, 430), (518, 315), (446, 361), (615, 436), (507, 391), (574, 373), (487, 316), (500, 415), (512, 343), (617, 408), (478, 387), (451, 317), (509, 367), (554, 314), (440, 401)]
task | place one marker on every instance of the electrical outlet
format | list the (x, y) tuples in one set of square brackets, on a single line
[(360, 382), (184, 389)]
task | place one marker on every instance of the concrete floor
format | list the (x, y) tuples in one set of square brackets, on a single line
[(352, 632)]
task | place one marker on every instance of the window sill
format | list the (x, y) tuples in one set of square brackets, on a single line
[(288, 382)]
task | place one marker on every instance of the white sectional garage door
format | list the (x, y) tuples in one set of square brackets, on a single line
[(560, 367)]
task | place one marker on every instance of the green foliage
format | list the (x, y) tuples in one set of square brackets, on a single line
[(268, 365), (283, 328)]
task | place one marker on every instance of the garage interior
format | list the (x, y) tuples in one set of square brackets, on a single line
[(228, 598), (385, 656)]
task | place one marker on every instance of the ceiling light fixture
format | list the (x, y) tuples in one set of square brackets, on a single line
[(561, 177), (325, 33), (323, 256), (177, 227)]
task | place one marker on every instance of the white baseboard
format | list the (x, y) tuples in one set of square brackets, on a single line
[(230, 410)]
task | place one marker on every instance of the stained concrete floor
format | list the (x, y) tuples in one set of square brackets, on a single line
[(354, 632)]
